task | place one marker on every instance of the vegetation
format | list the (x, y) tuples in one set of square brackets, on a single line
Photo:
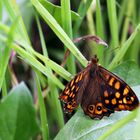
[(34, 36)]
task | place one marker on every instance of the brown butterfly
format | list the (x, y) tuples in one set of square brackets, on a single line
[(99, 92)]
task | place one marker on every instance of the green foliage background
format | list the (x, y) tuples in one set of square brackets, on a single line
[(23, 116)]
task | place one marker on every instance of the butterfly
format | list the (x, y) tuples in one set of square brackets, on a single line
[(99, 92)]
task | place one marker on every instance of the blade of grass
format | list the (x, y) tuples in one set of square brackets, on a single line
[(55, 11), (134, 53), (57, 68), (1, 10), (53, 88), (136, 132), (43, 45), (34, 62), (90, 21), (4, 62), (111, 7), (124, 48), (82, 10), (121, 14), (99, 21), (59, 31), (130, 8), (92, 29), (43, 116), (4, 28), (134, 15), (13, 11), (4, 88), (100, 31), (67, 26), (7, 51), (66, 17)]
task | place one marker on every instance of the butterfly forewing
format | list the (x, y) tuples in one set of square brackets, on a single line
[(72, 94)]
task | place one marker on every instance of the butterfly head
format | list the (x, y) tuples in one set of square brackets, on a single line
[(94, 60)]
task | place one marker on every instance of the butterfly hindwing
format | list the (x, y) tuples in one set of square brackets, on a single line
[(92, 101), (106, 93), (116, 94)]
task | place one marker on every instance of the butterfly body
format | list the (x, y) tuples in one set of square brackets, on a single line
[(99, 92)]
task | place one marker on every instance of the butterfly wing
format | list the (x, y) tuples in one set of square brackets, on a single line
[(72, 94), (116, 94), (106, 93), (99, 91), (91, 100)]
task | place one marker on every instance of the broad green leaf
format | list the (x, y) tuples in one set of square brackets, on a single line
[(81, 127), (55, 11), (137, 128), (129, 72), (17, 115)]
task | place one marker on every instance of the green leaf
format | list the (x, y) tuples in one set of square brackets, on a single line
[(17, 118), (137, 128), (81, 127), (55, 11), (129, 72)]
